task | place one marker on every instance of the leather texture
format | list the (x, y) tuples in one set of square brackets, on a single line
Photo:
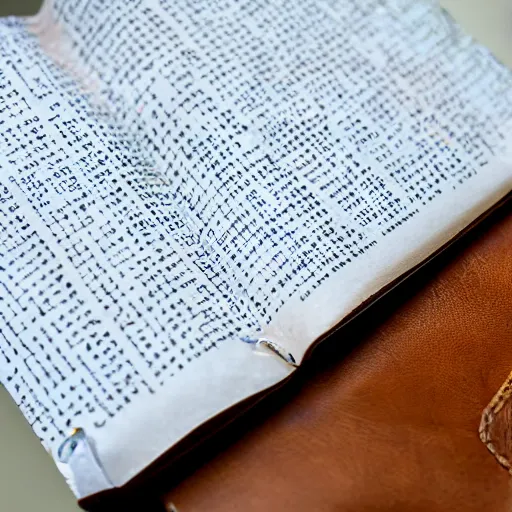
[(393, 426)]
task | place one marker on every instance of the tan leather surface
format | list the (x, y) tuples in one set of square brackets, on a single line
[(393, 426)]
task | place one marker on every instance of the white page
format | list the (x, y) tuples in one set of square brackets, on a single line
[(299, 136), (106, 324), (292, 147)]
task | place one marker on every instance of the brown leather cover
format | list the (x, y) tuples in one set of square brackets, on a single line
[(393, 426)]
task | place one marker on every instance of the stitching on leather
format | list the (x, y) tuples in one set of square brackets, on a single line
[(488, 416)]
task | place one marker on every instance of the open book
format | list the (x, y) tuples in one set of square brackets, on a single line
[(192, 193)]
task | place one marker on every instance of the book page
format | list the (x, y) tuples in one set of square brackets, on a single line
[(304, 140), (104, 318), (237, 169)]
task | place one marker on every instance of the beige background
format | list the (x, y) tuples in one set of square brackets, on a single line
[(29, 481)]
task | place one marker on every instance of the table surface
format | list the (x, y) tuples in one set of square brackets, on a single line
[(29, 480)]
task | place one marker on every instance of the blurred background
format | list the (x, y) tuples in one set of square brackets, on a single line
[(19, 7)]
